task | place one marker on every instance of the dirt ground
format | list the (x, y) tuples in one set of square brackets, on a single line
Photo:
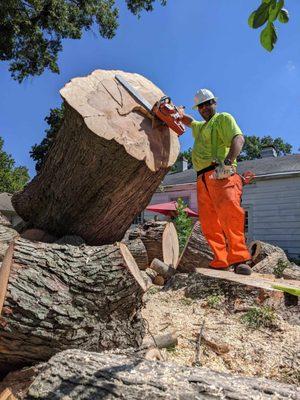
[(227, 343)]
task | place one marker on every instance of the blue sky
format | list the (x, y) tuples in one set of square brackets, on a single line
[(182, 47)]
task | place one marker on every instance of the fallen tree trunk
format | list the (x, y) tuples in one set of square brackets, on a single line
[(84, 375), (105, 163), (196, 253), (62, 296), (7, 235)]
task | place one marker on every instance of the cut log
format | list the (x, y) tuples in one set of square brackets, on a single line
[(159, 280), (164, 270), (268, 259), (170, 245), (149, 276), (138, 251), (74, 374), (61, 296), (260, 250), (196, 253), (151, 234), (105, 163)]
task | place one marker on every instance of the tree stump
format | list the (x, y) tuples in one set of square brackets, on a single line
[(105, 164), (79, 375), (196, 253), (62, 296)]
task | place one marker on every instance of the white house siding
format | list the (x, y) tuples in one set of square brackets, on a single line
[(273, 207)]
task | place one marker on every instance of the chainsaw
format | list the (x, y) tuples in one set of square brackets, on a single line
[(163, 109)]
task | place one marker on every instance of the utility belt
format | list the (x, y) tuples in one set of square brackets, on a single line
[(209, 168)]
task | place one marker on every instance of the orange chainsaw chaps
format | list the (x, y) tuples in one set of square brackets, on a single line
[(222, 218)]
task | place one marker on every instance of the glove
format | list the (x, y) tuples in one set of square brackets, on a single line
[(223, 171)]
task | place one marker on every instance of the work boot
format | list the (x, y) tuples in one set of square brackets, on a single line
[(242, 269)]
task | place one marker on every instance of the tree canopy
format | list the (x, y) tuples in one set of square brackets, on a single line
[(31, 31), (12, 178), (39, 151)]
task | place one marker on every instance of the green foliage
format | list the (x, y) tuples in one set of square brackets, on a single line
[(31, 31), (266, 14), (279, 268), (254, 144), (39, 151), (183, 223), (259, 317), (12, 178), (214, 301)]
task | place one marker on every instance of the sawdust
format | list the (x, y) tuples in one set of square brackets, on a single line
[(272, 353)]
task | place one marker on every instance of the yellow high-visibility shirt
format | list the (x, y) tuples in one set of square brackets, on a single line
[(213, 139)]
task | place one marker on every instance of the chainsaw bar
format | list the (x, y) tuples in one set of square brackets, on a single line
[(134, 93)]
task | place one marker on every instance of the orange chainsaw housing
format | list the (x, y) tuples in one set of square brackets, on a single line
[(165, 110)]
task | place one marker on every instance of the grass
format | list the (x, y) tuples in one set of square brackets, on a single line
[(214, 301), (258, 317)]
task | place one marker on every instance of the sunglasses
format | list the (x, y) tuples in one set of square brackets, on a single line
[(206, 103)]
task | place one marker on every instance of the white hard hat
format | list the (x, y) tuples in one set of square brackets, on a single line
[(202, 96)]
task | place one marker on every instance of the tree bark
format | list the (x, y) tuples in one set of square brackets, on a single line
[(83, 375), (62, 296), (138, 251), (267, 258), (105, 163), (196, 253), (7, 235), (151, 234)]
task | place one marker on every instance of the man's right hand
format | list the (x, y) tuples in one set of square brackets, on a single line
[(186, 119)]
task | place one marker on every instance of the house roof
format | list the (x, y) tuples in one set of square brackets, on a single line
[(5, 202), (260, 166)]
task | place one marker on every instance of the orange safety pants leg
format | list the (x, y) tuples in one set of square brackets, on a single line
[(222, 218)]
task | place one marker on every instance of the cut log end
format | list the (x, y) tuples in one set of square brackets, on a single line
[(132, 266)]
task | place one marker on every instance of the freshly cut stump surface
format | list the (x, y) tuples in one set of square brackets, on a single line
[(105, 164)]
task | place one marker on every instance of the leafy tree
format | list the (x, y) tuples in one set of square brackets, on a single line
[(265, 15), (12, 178), (31, 31), (183, 223), (39, 151), (254, 144)]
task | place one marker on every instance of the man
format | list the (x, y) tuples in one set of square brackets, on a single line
[(218, 142)]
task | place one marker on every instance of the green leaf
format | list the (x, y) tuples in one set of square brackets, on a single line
[(274, 10), (268, 37), (260, 16), (283, 16), (293, 291)]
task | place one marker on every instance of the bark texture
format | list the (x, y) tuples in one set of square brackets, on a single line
[(7, 235), (151, 234), (81, 375), (197, 253), (138, 251), (267, 258), (105, 164), (61, 296)]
